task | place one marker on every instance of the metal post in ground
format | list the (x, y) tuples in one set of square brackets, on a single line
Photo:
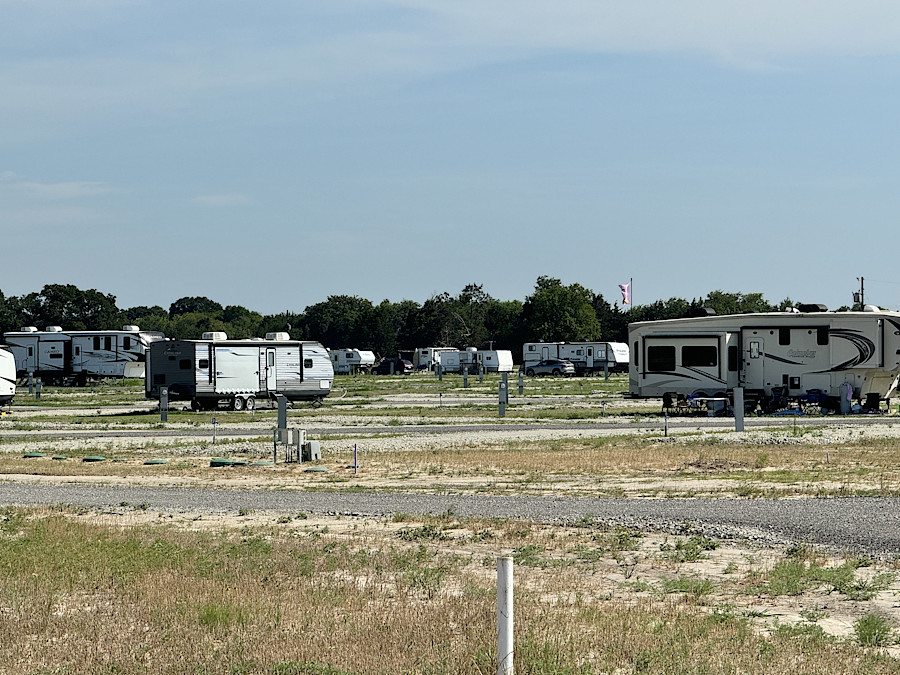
[(465, 377), (521, 381), (30, 383), (38, 385), (163, 404), (503, 395), (738, 408), (505, 616)]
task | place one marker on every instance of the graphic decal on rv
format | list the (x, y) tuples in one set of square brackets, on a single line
[(864, 346), (782, 360)]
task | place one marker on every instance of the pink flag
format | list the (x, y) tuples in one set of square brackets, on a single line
[(626, 293)]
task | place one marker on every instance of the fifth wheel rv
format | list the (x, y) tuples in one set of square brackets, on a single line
[(813, 354), (62, 356), (217, 370)]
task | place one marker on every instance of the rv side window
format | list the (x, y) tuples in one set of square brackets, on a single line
[(107, 343), (31, 351), (307, 363), (126, 342), (56, 356), (822, 336), (661, 358), (203, 363), (77, 351), (732, 359), (754, 349), (96, 342), (270, 359), (784, 336), (635, 353), (699, 356), (184, 364), (531, 348)]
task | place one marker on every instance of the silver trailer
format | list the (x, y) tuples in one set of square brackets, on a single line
[(61, 356), (217, 370), (7, 376), (426, 358), (347, 361), (814, 355), (589, 358)]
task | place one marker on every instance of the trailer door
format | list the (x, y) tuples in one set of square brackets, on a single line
[(271, 373), (753, 374)]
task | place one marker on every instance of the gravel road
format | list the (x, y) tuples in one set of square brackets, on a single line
[(865, 524)]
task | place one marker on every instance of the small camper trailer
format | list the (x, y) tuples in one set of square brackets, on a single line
[(7, 376), (812, 354), (347, 361), (426, 358), (62, 356), (589, 358), (217, 370), (492, 360), (495, 360)]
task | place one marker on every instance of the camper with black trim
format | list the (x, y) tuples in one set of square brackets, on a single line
[(74, 356), (809, 353), (217, 371), (589, 358)]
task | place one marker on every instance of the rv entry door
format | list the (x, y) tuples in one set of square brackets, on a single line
[(753, 374), (270, 370)]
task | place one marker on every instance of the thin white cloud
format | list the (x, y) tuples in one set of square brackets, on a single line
[(56, 191), (223, 200)]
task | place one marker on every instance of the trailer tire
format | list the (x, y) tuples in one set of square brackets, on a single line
[(196, 406), (237, 403), (250, 403)]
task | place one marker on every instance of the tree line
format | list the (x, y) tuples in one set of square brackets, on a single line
[(472, 318)]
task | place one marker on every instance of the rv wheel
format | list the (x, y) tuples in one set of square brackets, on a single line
[(250, 403), (237, 403), (195, 405)]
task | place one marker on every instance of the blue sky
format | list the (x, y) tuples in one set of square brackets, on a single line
[(272, 154)]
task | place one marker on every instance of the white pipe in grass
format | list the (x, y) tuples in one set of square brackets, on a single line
[(504, 616)]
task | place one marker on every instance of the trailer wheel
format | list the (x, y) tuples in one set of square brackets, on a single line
[(250, 403), (237, 403), (196, 406)]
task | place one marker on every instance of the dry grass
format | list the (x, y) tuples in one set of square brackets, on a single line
[(82, 596)]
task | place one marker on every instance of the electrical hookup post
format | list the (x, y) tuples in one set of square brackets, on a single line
[(503, 395), (505, 616)]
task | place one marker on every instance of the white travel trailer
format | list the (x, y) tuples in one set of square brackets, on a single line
[(426, 358), (351, 360), (492, 360), (237, 372), (7, 376), (816, 355), (495, 360), (62, 356), (589, 358)]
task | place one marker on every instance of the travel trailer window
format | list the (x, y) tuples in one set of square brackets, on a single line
[(126, 342), (96, 342), (204, 363), (661, 358), (77, 351), (822, 336), (635, 352), (184, 364), (270, 359), (754, 349), (784, 336), (107, 343), (307, 363), (31, 351), (699, 356)]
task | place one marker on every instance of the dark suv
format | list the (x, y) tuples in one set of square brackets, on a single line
[(400, 366)]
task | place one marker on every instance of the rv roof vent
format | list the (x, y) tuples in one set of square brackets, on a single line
[(131, 329), (278, 336), (871, 308), (54, 329), (472, 349), (702, 311), (215, 335), (29, 329), (816, 307)]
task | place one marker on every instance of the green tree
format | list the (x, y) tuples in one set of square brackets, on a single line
[(341, 321), (72, 308), (241, 323), (737, 303), (555, 312), (195, 305)]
